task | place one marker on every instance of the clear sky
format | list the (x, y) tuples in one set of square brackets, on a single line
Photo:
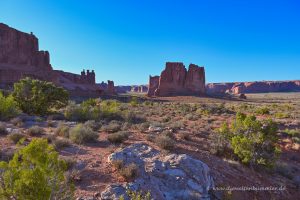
[(126, 41)]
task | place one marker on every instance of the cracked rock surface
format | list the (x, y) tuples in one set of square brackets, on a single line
[(167, 177)]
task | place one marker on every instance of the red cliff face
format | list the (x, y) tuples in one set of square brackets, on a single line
[(153, 85), (21, 50), (176, 80), (20, 57), (254, 87)]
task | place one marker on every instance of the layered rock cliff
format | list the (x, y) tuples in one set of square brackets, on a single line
[(253, 87), (20, 57), (176, 80)]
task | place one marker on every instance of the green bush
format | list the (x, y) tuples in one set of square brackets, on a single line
[(8, 107), (81, 134), (38, 97), (82, 112), (118, 137), (263, 111), (110, 109), (134, 101), (253, 141), (137, 195), (35, 172)]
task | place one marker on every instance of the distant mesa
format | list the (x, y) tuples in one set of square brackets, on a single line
[(175, 80), (20, 57), (253, 87)]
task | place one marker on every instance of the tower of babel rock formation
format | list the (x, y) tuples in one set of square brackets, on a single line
[(20, 57), (177, 80)]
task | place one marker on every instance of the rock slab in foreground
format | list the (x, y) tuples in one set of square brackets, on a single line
[(167, 177)]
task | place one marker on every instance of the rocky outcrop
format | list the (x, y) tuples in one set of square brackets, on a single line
[(139, 88), (107, 88), (167, 177), (20, 57), (176, 80), (153, 85), (253, 87), (21, 50), (123, 88)]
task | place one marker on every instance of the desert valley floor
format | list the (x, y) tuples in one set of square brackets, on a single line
[(190, 122)]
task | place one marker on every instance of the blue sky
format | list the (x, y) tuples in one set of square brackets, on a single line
[(126, 41)]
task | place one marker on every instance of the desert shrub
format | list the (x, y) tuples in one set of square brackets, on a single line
[(110, 109), (17, 121), (148, 103), (164, 142), (90, 102), (38, 97), (150, 137), (281, 115), (112, 127), (81, 134), (35, 131), (144, 126), (50, 123), (56, 116), (92, 124), (16, 137), (176, 125), (191, 117), (129, 172), (50, 138), (118, 164), (137, 195), (184, 135), (60, 143), (70, 162), (292, 132), (8, 107), (134, 101), (253, 141), (220, 141), (35, 172), (3, 130), (118, 137), (131, 117), (80, 112), (62, 130), (262, 111), (90, 110)]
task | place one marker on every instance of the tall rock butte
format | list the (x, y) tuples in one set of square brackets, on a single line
[(20, 57), (175, 79)]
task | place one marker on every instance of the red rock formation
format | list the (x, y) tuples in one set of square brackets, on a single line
[(21, 50), (107, 88), (176, 80), (153, 85), (110, 88), (195, 80), (254, 87), (20, 57)]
